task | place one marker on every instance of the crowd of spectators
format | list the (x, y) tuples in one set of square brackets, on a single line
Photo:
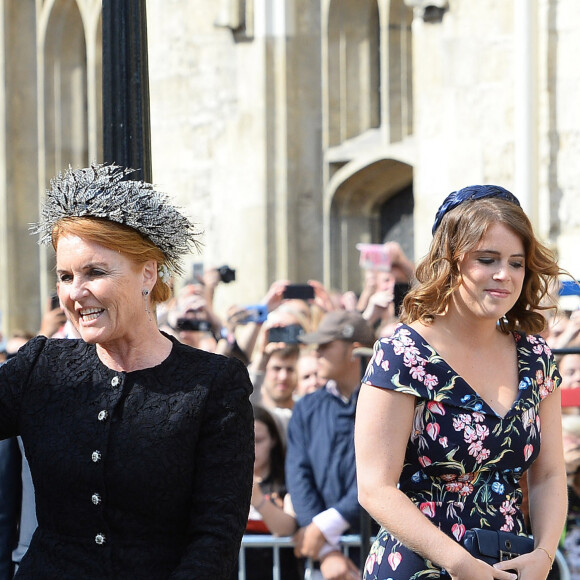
[(305, 357)]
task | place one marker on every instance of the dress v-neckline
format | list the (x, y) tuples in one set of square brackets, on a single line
[(427, 344)]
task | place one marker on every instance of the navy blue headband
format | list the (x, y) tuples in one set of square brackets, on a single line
[(469, 193)]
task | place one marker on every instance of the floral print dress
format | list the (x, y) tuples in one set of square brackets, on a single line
[(463, 461)]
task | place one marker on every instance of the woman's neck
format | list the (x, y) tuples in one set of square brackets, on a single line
[(133, 355)]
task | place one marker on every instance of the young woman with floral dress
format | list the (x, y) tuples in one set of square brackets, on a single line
[(462, 400)]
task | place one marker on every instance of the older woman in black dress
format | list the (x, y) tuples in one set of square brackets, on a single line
[(140, 447)]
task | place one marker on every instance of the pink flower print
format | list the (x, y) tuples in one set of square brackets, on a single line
[(404, 336), (461, 421), (538, 349), (469, 434), (475, 448), (370, 563), (418, 373), (410, 356), (379, 356), (532, 339), (458, 530), (478, 417), (528, 450), (424, 461), (509, 524), (549, 384), (428, 508), (539, 376), (483, 455), (435, 407), (430, 381), (398, 347), (433, 430), (482, 431), (385, 365), (394, 559), (444, 442), (507, 507)]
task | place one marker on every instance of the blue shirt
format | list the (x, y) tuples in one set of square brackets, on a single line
[(320, 461)]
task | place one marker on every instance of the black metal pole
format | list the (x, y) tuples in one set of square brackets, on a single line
[(126, 124)]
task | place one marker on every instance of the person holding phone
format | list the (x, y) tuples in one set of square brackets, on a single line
[(141, 448), (462, 400)]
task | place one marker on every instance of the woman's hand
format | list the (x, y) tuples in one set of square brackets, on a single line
[(533, 566), (336, 566), (471, 568), (274, 296)]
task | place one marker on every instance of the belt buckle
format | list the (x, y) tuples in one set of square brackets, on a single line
[(505, 555)]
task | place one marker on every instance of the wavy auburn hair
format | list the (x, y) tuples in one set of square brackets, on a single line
[(461, 230)]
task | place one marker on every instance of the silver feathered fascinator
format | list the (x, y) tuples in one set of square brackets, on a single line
[(102, 191)]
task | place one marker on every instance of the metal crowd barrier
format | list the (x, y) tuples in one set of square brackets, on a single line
[(276, 543), (561, 571)]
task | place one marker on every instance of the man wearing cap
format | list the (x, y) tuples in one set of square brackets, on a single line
[(320, 461)]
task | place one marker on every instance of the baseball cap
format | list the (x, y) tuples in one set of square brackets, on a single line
[(341, 325)]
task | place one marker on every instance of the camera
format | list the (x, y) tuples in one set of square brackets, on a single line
[(227, 274), (299, 291), (192, 324), (288, 334), (255, 313)]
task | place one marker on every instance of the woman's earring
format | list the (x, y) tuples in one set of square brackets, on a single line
[(145, 293)]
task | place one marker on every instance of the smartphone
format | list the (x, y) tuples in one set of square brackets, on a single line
[(299, 291), (192, 324), (569, 288), (288, 334), (255, 313), (198, 273)]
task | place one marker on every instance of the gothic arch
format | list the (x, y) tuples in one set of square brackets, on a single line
[(354, 199), (65, 88), (69, 88)]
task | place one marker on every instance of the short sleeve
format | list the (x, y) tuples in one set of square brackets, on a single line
[(543, 371), (401, 363)]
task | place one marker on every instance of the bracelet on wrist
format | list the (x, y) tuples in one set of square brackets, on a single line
[(547, 554)]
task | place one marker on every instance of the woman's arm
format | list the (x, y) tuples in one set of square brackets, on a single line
[(384, 420), (276, 519), (222, 485), (548, 495)]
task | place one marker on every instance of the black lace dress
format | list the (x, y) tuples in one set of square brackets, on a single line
[(146, 474)]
